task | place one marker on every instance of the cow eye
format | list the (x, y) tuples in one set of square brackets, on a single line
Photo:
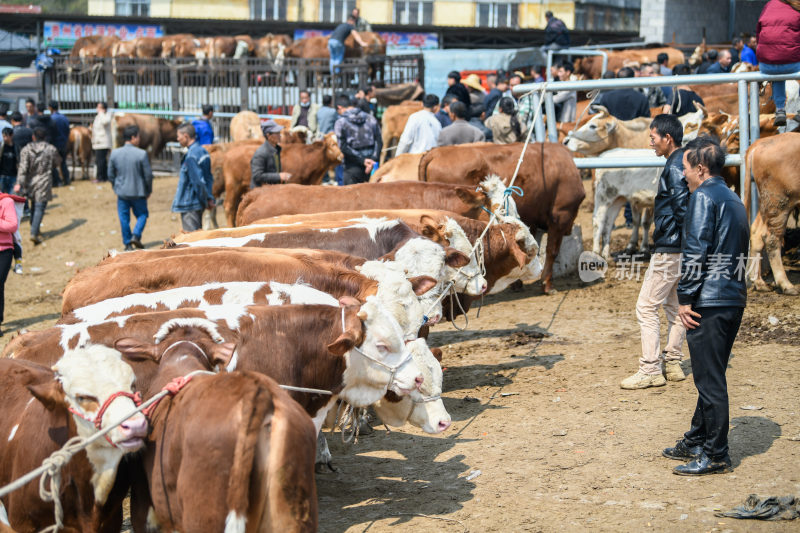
[(593, 127), (87, 403), (382, 347)]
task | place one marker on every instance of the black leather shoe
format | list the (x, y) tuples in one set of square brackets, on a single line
[(128, 248), (704, 465), (682, 452), (137, 243)]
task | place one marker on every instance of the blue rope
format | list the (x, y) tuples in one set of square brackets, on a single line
[(511, 191)]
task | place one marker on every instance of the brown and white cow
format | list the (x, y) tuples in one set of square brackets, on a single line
[(86, 390), (605, 132), (404, 167), (550, 182), (79, 146), (771, 163), (591, 67)]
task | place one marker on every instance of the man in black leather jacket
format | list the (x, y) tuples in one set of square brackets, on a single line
[(659, 288), (712, 295), (265, 165)]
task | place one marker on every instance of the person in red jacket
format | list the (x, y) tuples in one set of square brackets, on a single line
[(778, 49)]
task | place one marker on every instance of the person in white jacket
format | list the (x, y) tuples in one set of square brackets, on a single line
[(422, 129), (101, 141)]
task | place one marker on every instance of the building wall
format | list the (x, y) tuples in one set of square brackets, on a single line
[(377, 11), (211, 9), (532, 15), (101, 7), (687, 19)]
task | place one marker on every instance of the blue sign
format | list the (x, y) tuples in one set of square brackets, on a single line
[(65, 34)]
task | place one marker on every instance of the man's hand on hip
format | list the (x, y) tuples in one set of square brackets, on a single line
[(285, 176), (688, 316)]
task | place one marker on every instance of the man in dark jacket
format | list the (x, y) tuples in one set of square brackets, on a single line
[(723, 64), (661, 279), (265, 166), (359, 139), (23, 135), (59, 126), (712, 294), (130, 176), (625, 104), (556, 35), (443, 115), (193, 194), (456, 89)]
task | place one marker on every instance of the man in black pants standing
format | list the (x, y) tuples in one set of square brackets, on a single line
[(712, 295)]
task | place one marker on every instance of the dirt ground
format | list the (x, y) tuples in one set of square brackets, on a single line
[(543, 438)]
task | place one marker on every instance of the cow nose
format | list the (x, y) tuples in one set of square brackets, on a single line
[(484, 286), (419, 381), (443, 425), (135, 426)]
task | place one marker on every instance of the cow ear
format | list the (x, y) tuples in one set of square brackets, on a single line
[(136, 350), (520, 256), (470, 197), (344, 301), (422, 284), (611, 125), (48, 391), (221, 354), (454, 258), (437, 353), (345, 342)]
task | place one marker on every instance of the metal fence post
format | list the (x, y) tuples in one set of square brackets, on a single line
[(755, 133), (174, 88), (244, 89), (550, 109), (109, 75), (538, 125), (744, 132)]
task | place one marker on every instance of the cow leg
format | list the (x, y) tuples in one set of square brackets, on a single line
[(633, 243), (776, 226), (758, 232), (611, 213), (647, 220), (210, 218), (554, 237), (598, 228), (323, 462)]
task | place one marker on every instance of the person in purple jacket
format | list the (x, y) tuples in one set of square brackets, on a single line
[(778, 49)]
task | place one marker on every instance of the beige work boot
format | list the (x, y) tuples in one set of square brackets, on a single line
[(640, 380), (673, 371)]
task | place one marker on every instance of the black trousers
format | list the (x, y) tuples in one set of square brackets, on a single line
[(101, 159), (710, 348), (354, 174), (6, 257)]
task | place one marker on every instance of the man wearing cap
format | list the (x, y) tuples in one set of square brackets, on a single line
[(265, 167), (193, 195)]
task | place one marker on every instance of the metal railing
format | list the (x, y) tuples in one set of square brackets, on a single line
[(749, 128)]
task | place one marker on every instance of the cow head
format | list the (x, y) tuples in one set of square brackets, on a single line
[(423, 257), (692, 122), (596, 136), (495, 190), (332, 151), (468, 278), (374, 347), (509, 259), (399, 294), (422, 408)]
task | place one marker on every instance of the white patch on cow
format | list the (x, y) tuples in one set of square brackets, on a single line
[(4, 515), (231, 366), (99, 371), (199, 323), (13, 432), (235, 523), (374, 225), (302, 294), (495, 190), (228, 242), (152, 520), (319, 418), (231, 314), (396, 294), (423, 257)]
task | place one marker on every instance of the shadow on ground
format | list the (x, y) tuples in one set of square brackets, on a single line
[(368, 488), (76, 223), (751, 435)]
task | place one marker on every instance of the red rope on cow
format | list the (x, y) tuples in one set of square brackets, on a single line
[(172, 388), (97, 421)]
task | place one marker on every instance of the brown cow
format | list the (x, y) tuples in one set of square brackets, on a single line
[(275, 200), (273, 47), (771, 163), (246, 125), (317, 47), (216, 153), (79, 146), (43, 408), (154, 133), (176, 45), (591, 67), (376, 46), (404, 167), (307, 164), (551, 183), (393, 123), (148, 47)]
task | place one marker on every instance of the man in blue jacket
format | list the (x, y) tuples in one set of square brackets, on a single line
[(712, 294), (203, 129), (130, 176), (193, 194), (659, 288)]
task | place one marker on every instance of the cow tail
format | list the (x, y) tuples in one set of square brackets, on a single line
[(422, 170), (253, 416)]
